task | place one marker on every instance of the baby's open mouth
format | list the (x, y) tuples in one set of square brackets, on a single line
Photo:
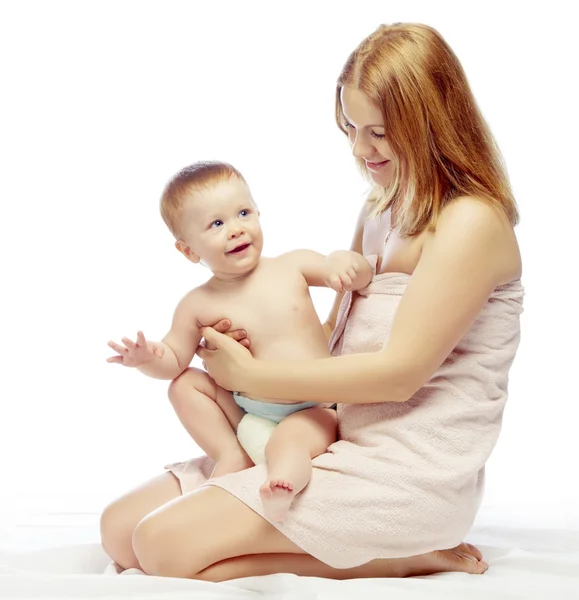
[(239, 249)]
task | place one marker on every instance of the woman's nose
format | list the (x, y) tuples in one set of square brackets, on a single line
[(361, 148)]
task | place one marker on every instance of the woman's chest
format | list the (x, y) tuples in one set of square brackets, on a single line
[(395, 254)]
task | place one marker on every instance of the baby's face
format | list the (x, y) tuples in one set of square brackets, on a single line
[(221, 228)]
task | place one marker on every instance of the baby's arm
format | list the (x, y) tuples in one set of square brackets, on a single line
[(170, 357), (342, 270), (180, 343)]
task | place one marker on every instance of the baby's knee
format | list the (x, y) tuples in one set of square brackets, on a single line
[(312, 429), (181, 387)]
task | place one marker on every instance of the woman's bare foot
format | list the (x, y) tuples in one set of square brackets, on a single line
[(277, 496), (231, 464), (465, 558)]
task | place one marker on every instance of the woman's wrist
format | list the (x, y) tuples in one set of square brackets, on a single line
[(260, 379), (251, 376)]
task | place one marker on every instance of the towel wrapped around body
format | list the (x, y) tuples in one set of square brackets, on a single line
[(404, 478)]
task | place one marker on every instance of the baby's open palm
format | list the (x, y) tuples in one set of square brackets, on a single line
[(135, 354)]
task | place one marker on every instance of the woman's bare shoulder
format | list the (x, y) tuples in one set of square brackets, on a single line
[(476, 221)]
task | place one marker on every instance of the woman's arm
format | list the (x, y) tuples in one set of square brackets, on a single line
[(461, 264), (471, 252)]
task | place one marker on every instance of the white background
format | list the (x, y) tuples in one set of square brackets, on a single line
[(101, 102)]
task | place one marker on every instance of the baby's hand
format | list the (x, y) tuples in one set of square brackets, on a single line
[(135, 354), (347, 271)]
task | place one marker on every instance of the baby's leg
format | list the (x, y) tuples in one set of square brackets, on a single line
[(289, 452), (210, 416)]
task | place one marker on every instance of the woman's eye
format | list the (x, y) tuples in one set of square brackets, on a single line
[(377, 136), (217, 223)]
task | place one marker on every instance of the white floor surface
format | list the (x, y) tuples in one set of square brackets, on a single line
[(54, 553)]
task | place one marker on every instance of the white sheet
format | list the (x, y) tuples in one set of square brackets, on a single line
[(525, 562)]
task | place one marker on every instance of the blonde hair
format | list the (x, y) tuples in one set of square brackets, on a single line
[(443, 145), (196, 177)]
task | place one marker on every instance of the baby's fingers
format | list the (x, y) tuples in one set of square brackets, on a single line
[(128, 343), (141, 341), (335, 283), (115, 359), (346, 281), (117, 348)]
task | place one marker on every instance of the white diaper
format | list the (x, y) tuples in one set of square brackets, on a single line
[(253, 433)]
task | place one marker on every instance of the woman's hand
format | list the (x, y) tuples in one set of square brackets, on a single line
[(223, 326), (228, 362)]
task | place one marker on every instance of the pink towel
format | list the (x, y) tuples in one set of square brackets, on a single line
[(404, 478)]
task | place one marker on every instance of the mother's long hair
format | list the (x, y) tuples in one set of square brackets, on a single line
[(443, 145)]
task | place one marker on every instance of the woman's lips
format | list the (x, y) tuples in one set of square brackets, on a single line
[(376, 166)]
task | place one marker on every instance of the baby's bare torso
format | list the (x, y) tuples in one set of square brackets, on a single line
[(273, 305)]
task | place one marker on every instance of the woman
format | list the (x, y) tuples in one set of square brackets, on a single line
[(421, 365)]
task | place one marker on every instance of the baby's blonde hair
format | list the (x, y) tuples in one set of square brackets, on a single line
[(443, 146), (198, 176)]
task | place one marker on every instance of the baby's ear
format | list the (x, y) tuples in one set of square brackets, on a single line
[(187, 252)]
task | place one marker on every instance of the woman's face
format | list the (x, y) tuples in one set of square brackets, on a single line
[(365, 127)]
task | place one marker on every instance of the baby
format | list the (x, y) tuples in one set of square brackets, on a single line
[(209, 209)]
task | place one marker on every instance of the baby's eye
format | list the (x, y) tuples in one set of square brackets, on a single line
[(217, 223), (244, 213)]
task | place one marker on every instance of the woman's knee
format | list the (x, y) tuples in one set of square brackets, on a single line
[(202, 529), (159, 551), (120, 518), (184, 538), (116, 529), (144, 543)]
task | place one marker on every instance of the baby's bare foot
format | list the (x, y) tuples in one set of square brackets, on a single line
[(277, 496), (231, 464)]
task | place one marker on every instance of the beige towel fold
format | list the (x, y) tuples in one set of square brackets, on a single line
[(404, 478)]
